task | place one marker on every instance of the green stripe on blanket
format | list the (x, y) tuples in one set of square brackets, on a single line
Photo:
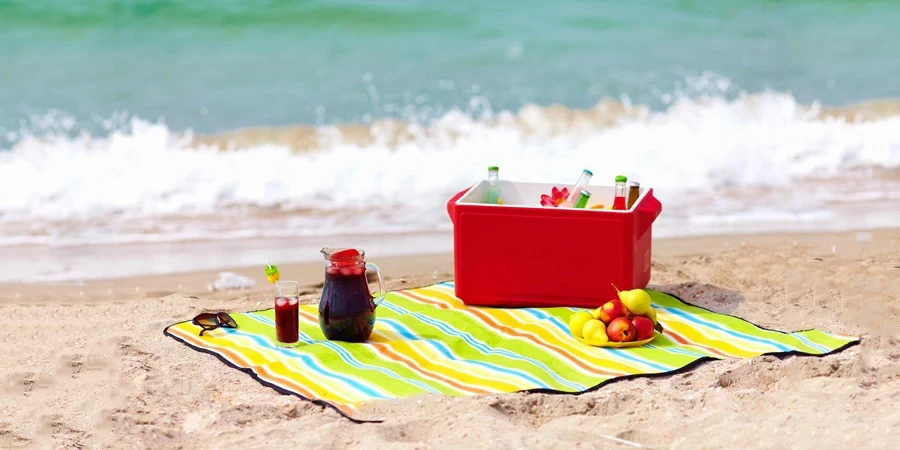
[(427, 341)]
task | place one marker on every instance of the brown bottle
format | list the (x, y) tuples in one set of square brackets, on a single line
[(634, 191)]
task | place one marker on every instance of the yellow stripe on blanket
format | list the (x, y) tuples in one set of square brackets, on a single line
[(427, 341)]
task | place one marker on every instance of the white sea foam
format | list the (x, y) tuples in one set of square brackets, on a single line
[(146, 174)]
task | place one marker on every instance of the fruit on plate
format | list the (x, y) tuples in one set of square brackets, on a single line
[(594, 330), (636, 300), (620, 330), (651, 314), (643, 327), (629, 318), (611, 310), (577, 321)]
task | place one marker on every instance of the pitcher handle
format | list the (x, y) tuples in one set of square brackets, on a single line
[(377, 301)]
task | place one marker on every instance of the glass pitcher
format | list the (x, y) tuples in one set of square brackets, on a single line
[(347, 308)]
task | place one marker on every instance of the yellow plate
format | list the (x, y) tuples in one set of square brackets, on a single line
[(617, 344)]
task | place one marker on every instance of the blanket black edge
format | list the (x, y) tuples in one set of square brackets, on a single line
[(256, 377), (686, 368)]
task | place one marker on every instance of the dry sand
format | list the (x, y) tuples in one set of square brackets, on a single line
[(87, 366)]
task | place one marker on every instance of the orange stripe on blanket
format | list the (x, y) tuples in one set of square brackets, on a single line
[(388, 352), (512, 331), (684, 341)]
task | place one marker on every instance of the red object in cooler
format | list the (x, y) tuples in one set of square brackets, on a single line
[(533, 256)]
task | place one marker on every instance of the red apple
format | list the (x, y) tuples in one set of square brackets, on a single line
[(612, 310), (643, 327), (621, 330)]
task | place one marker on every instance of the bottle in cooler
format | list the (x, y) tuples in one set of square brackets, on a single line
[(493, 180), (634, 191), (619, 200), (583, 199), (576, 191)]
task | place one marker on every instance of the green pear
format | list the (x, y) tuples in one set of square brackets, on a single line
[(595, 330), (636, 300), (576, 322), (651, 314)]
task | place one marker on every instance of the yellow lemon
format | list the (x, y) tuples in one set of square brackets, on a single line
[(576, 322), (594, 330)]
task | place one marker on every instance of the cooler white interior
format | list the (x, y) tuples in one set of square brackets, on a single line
[(528, 195)]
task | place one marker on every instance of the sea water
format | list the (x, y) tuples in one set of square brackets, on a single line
[(131, 121)]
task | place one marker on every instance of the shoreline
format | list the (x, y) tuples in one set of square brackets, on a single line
[(435, 264), (761, 163)]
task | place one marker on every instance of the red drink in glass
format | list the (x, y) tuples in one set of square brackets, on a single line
[(287, 313)]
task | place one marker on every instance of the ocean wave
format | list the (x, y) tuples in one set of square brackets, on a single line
[(534, 121), (394, 174)]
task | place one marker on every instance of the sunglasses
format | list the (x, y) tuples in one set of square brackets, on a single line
[(211, 321)]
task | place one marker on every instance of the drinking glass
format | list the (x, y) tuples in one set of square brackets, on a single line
[(287, 313)]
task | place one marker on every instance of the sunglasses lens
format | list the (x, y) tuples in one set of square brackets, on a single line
[(206, 320), (227, 321)]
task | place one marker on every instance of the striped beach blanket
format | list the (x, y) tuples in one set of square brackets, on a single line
[(426, 341)]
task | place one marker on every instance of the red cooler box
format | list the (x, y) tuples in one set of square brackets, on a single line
[(523, 254)]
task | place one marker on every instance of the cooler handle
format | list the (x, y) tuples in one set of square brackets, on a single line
[(647, 211), (451, 205)]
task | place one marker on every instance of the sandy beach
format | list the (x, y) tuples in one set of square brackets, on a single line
[(148, 146), (87, 366)]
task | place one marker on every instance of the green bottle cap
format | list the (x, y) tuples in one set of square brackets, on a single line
[(588, 172), (621, 178), (493, 169)]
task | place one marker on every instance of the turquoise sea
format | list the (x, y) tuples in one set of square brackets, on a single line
[(167, 121), (215, 65)]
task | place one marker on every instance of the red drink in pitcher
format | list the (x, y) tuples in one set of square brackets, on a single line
[(347, 308), (287, 313)]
